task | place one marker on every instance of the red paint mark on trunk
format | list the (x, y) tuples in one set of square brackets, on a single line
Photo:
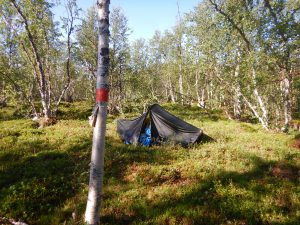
[(102, 95)]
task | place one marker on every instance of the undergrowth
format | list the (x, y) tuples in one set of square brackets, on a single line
[(245, 176)]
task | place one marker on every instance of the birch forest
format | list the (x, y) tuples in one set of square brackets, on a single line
[(241, 57), (199, 124)]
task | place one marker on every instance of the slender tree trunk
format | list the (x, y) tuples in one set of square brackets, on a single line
[(256, 113), (202, 102), (286, 86), (237, 109), (200, 99), (167, 92), (189, 99), (260, 101), (153, 87), (277, 117), (92, 87), (264, 118), (226, 107), (70, 29), (180, 83), (43, 83), (171, 89), (121, 94), (286, 82), (197, 87), (45, 103), (92, 214), (211, 94), (31, 102)]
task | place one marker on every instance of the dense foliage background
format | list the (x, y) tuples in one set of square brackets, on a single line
[(238, 56), (230, 67)]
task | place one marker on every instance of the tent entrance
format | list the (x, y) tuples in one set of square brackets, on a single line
[(148, 134), (145, 137)]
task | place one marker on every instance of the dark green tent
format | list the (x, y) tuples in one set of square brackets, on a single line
[(165, 127)]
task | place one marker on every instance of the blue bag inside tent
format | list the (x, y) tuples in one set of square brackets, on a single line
[(145, 137)]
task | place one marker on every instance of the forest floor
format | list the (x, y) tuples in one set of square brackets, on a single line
[(246, 176)]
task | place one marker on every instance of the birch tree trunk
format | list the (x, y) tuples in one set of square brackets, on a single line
[(197, 88), (39, 67), (255, 112), (284, 38), (286, 86), (260, 101), (92, 214), (202, 102), (200, 99), (237, 98), (249, 48), (237, 109), (180, 81), (72, 11), (171, 89)]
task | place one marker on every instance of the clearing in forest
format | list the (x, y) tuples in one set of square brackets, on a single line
[(246, 176)]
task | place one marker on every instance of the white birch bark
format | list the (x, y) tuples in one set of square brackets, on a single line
[(287, 79), (171, 90), (39, 68), (92, 214), (237, 109), (202, 102), (256, 113), (197, 87), (285, 86), (237, 101), (260, 101), (200, 99), (180, 83)]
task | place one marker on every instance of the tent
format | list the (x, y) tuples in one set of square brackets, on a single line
[(156, 126)]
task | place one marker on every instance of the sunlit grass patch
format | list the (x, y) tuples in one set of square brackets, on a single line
[(245, 175)]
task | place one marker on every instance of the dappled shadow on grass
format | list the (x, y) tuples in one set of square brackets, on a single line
[(7, 158), (119, 155), (257, 196), (43, 182), (36, 185), (39, 182)]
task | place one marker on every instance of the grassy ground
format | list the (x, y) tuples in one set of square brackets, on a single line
[(246, 176)]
